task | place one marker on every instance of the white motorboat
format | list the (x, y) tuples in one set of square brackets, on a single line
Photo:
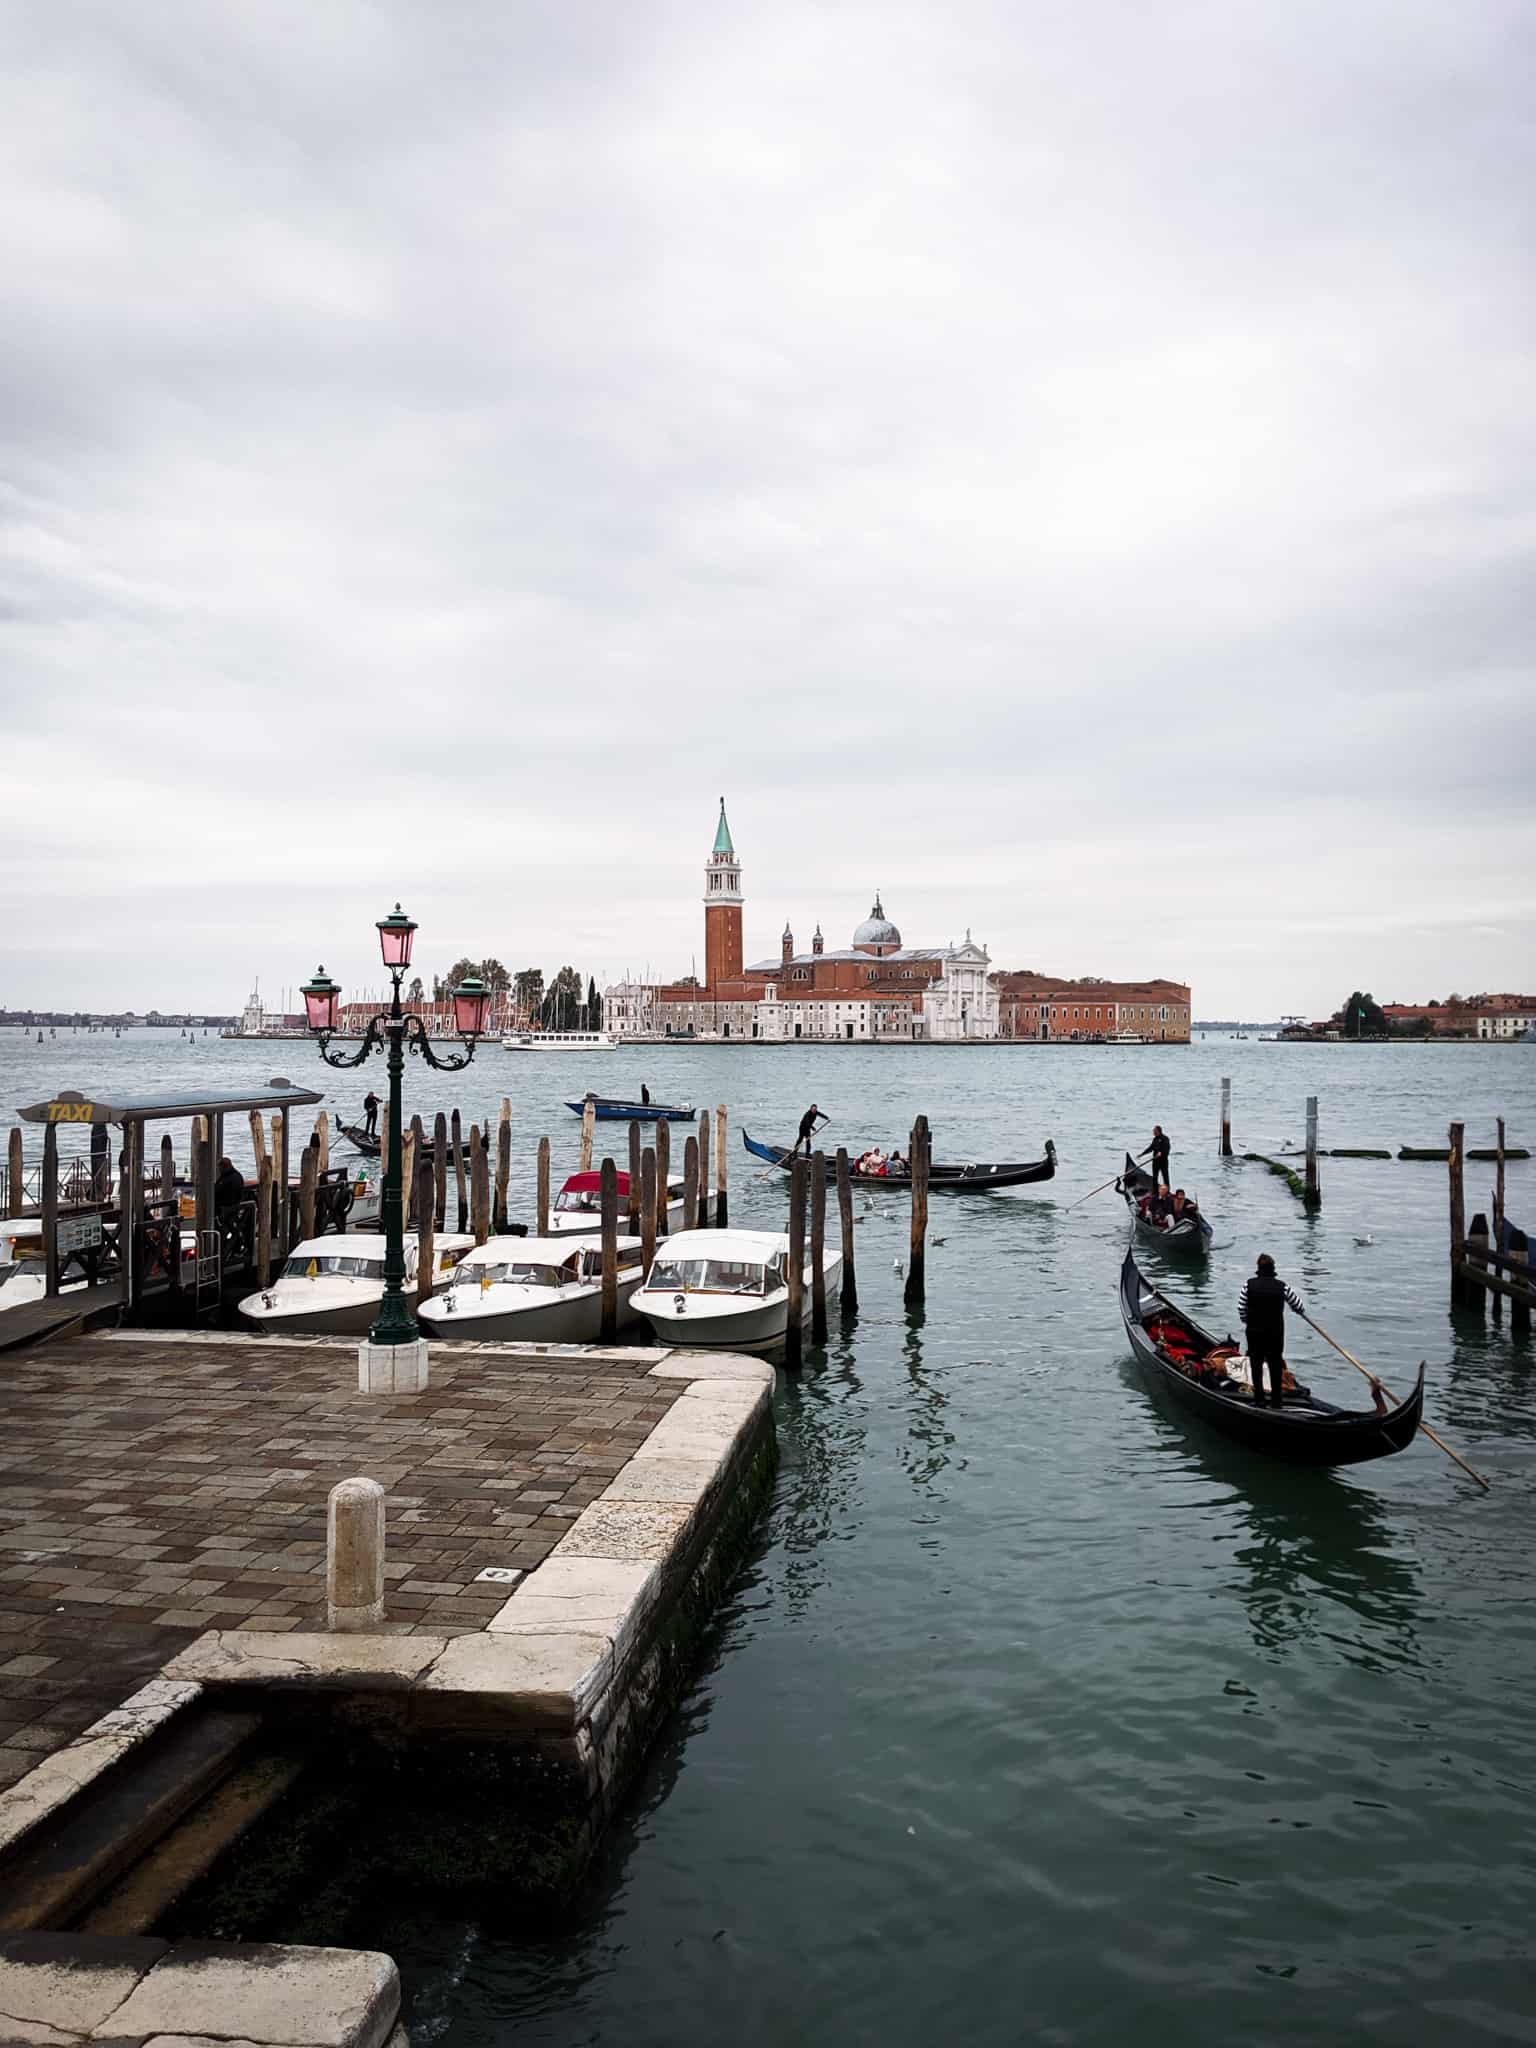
[(727, 1287), (579, 1204), (23, 1273), (537, 1290), (332, 1286), (561, 1041)]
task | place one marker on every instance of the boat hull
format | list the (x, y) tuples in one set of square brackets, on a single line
[(351, 1318), (980, 1178), (705, 1323), (577, 1319), (1192, 1236), (608, 1112)]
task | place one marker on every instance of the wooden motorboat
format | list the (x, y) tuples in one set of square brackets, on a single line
[(616, 1109), (332, 1286), (727, 1287), (954, 1179), (538, 1290), (1189, 1234), (1211, 1380)]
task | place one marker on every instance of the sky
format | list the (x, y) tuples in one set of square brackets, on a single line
[(1066, 464)]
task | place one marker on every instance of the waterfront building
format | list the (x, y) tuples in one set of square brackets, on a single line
[(1045, 1007)]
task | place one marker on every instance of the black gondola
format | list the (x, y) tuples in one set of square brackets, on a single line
[(1302, 1431), (953, 1179), (373, 1145), (1190, 1234)]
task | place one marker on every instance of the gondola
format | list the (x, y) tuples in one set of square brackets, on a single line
[(1191, 1234), (613, 1109), (356, 1135), (953, 1179), (1302, 1431)]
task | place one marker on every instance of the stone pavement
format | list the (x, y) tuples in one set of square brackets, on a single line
[(152, 1488)]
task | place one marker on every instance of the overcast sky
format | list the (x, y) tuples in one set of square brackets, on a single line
[(1066, 463)]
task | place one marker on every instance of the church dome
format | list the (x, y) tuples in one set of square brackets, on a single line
[(877, 930)]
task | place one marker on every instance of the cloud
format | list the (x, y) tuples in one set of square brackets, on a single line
[(1068, 466)]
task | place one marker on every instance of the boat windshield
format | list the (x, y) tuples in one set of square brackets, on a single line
[(587, 1200), (316, 1266), (711, 1276), (511, 1273)]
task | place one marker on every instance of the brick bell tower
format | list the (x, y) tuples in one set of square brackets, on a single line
[(722, 909)]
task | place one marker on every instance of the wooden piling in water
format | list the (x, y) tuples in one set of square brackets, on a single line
[(456, 1140), (541, 1200), (282, 1235), (207, 1169), (1520, 1276), (16, 1173), (608, 1198), (914, 1292), (479, 1186), (588, 1120), (263, 1219), (1226, 1118), (323, 1131), (503, 1161), (408, 1174), (167, 1169), (690, 1182), (850, 1293), (439, 1170), (1477, 1256), (49, 1205), (663, 1176), (647, 1208), (101, 1164), (309, 1167), (258, 1139), (818, 1248), (722, 1193), (1461, 1292), (794, 1332), (704, 1122), (1312, 1194), (426, 1231), (632, 1198), (1496, 1299)]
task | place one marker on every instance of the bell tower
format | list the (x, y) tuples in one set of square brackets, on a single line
[(722, 908)]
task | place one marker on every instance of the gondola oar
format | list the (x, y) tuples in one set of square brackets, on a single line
[(1376, 1381), (1090, 1194), (779, 1165)]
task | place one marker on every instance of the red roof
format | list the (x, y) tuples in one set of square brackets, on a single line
[(591, 1183)]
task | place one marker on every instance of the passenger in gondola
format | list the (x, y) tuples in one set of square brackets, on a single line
[(1180, 1207), (1262, 1305), (1162, 1208), (1159, 1149)]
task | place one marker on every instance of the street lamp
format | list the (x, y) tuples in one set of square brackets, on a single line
[(390, 1032)]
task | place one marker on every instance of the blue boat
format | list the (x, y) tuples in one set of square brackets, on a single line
[(612, 1109)]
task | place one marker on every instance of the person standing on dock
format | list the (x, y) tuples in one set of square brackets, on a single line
[(370, 1115), (809, 1125), (1262, 1306), (1159, 1148), (645, 1095)]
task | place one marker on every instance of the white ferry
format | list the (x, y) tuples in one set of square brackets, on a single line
[(561, 1041)]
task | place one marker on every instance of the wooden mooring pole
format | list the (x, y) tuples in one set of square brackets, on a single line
[(1226, 1118), (1520, 1275), (917, 1151), (282, 1197), (588, 1120), (15, 1173), (50, 1209), (632, 1198), (439, 1171), (704, 1122), (426, 1231), (1477, 1257), (850, 1293), (722, 1193), (794, 1330), (503, 1163), (457, 1141), (647, 1208), (263, 1220), (818, 1248), (309, 1167), (608, 1325), (663, 1176), (691, 1182), (1461, 1292), (541, 1202), (1495, 1299), (1312, 1193), (408, 1174), (479, 1187)]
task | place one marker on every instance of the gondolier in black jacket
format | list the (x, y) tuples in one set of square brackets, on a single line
[(1262, 1305), (371, 1114), (1159, 1148), (810, 1123)]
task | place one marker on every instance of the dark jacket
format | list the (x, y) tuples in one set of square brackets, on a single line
[(1262, 1305)]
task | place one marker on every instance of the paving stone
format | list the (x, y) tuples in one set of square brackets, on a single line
[(297, 1997)]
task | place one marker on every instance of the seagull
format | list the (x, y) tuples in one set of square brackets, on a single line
[(887, 1215), (1367, 1239), (938, 1240), (897, 1267)]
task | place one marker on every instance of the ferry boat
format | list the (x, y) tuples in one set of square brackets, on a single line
[(727, 1287), (332, 1286), (561, 1041), (538, 1290)]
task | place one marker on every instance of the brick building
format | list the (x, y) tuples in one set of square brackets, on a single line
[(1043, 1007)]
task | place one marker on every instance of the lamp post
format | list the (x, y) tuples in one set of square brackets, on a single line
[(390, 1031)]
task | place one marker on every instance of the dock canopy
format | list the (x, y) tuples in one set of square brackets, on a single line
[(70, 1107)]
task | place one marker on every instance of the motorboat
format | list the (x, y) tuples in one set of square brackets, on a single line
[(538, 1290), (561, 1041), (23, 1270), (617, 1109), (727, 1287), (332, 1286), (579, 1204)]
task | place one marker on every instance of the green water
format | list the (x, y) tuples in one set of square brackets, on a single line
[(1037, 1714)]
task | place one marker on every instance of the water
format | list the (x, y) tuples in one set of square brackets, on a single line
[(1036, 1714)]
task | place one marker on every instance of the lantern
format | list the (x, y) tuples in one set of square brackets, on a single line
[(395, 935), (320, 998), (471, 1001)]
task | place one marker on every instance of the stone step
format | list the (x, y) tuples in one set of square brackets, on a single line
[(135, 1903), (60, 1868)]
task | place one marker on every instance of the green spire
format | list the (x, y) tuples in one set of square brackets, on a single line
[(723, 835)]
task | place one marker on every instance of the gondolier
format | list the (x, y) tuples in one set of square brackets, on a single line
[(1159, 1149), (1262, 1305), (810, 1123), (371, 1114)]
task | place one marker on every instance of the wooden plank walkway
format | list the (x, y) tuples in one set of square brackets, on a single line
[(153, 1487), (34, 1319)]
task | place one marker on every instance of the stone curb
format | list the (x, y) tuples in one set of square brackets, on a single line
[(74, 1768)]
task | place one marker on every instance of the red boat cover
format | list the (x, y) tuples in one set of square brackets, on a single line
[(592, 1183)]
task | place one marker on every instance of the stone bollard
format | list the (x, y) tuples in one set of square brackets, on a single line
[(354, 1556), (392, 1368)]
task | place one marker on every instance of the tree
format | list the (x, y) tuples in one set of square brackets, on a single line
[(494, 975), (562, 1001), (1363, 1017), (528, 985), (414, 993), (594, 1005)]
